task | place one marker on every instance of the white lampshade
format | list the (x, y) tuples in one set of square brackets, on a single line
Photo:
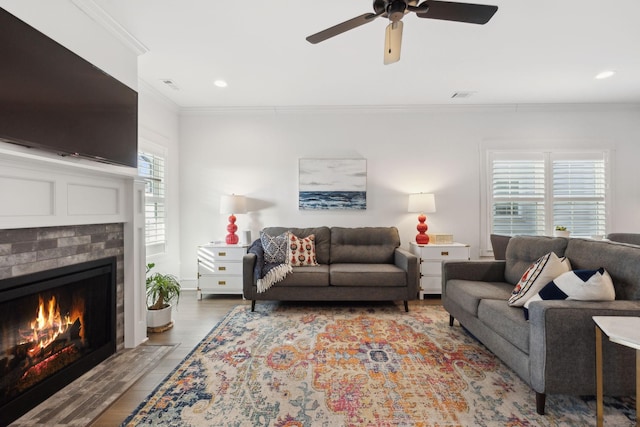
[(422, 202), (233, 204)]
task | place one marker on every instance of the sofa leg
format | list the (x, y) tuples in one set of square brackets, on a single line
[(451, 319), (253, 305), (406, 306), (541, 399)]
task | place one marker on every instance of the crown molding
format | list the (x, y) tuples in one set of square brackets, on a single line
[(99, 15), (431, 108)]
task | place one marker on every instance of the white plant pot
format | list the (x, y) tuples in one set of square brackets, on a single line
[(561, 233), (158, 318)]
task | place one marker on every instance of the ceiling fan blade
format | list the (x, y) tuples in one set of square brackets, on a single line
[(341, 28), (460, 12), (392, 42)]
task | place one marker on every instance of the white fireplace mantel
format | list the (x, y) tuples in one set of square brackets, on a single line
[(40, 189)]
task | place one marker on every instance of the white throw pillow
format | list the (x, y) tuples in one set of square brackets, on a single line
[(545, 269), (580, 285)]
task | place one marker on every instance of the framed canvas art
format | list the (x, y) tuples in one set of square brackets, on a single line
[(332, 184)]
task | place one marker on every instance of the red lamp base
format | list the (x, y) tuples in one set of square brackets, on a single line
[(232, 238), (422, 238)]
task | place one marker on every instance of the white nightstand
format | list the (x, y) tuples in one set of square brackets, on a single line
[(431, 257), (220, 269)]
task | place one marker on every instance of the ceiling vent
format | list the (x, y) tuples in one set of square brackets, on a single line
[(462, 94), (171, 84)]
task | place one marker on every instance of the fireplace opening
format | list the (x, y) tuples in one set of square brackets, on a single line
[(55, 325)]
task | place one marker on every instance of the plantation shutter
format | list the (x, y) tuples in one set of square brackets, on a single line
[(579, 194), (517, 194), (152, 168)]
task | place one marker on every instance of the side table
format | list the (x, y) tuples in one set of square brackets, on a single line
[(623, 330), (220, 269), (431, 257)]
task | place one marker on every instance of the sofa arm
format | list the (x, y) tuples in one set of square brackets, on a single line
[(248, 263), (409, 263), (562, 347)]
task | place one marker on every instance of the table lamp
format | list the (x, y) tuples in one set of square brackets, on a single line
[(422, 202), (232, 205)]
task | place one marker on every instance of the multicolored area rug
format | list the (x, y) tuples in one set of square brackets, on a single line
[(288, 365)]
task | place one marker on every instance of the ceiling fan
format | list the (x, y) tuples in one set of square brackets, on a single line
[(395, 11)]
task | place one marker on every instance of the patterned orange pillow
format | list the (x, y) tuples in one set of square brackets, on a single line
[(302, 251)]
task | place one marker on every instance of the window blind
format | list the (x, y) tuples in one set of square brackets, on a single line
[(579, 191), (531, 193), (518, 200), (152, 168)]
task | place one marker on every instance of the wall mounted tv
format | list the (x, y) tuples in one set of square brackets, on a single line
[(52, 99)]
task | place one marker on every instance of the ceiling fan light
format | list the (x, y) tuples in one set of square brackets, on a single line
[(392, 42)]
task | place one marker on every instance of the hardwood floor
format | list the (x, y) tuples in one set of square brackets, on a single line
[(193, 320)]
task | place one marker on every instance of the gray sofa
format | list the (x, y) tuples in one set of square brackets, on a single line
[(554, 351), (355, 264)]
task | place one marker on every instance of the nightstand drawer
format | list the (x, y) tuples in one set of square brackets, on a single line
[(210, 253), (444, 253), (433, 268), (225, 268), (210, 283)]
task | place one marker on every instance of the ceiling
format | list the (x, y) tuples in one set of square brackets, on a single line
[(530, 52)]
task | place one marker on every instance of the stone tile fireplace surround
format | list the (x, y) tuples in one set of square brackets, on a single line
[(30, 250)]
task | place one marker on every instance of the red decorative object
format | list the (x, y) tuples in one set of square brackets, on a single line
[(421, 237), (232, 238)]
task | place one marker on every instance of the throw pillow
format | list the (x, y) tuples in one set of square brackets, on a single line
[(302, 251), (580, 285), (545, 269), (275, 247)]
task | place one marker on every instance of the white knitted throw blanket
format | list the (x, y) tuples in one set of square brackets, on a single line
[(273, 276)]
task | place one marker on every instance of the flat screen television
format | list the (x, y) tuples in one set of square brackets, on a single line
[(52, 99)]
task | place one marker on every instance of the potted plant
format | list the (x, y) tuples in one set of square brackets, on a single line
[(561, 231), (162, 290)]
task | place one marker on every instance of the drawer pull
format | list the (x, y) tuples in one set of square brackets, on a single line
[(222, 282), (222, 254), (444, 253), (222, 268)]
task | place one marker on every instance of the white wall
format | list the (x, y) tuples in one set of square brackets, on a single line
[(158, 122), (255, 153)]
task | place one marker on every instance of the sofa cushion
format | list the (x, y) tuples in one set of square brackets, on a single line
[(522, 251), (275, 247), (383, 275), (619, 259), (307, 277), (541, 272), (506, 321), (365, 245), (302, 250), (468, 293), (580, 285), (322, 241)]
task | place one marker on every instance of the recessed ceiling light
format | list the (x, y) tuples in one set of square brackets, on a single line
[(220, 83), (605, 74)]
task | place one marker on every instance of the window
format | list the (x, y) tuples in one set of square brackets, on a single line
[(531, 193), (151, 168)]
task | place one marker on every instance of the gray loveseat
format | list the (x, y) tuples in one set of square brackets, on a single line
[(554, 351), (355, 264)]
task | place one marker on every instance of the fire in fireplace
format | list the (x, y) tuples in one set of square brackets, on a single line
[(54, 326)]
